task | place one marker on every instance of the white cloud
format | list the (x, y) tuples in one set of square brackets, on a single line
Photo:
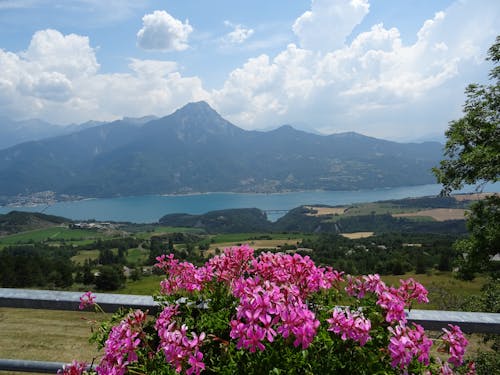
[(57, 79), (153, 68), (239, 34), (70, 55), (376, 84), (329, 23), (163, 32)]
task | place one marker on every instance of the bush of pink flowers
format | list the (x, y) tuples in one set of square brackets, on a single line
[(273, 313)]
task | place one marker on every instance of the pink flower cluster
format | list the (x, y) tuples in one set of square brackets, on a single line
[(122, 344), (393, 304), (349, 325), (393, 300), (178, 348), (407, 343), (359, 286), (286, 269), (75, 368), (456, 343), (265, 310), (411, 290), (271, 292), (232, 264), (86, 299), (181, 275)]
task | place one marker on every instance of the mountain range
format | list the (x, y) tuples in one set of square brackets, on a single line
[(196, 150)]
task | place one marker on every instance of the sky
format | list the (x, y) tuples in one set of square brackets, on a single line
[(393, 69)]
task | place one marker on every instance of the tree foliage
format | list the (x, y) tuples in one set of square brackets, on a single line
[(472, 154), (473, 145)]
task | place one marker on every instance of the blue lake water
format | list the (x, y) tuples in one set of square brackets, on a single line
[(150, 208)]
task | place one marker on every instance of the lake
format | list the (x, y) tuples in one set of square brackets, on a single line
[(150, 208)]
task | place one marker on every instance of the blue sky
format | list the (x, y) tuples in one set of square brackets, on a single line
[(388, 68)]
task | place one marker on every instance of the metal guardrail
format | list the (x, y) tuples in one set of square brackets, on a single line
[(17, 365), (469, 322), (69, 301)]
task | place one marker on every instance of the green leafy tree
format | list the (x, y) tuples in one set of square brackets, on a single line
[(110, 278), (472, 156)]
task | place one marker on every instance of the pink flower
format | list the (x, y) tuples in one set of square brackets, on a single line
[(232, 264), (445, 369), (471, 366), (286, 269), (181, 276), (86, 299), (179, 350), (122, 344), (393, 304), (412, 290), (266, 309), (456, 342), (359, 286), (75, 368), (407, 344), (350, 325)]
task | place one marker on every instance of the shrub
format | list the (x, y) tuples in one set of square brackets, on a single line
[(273, 314)]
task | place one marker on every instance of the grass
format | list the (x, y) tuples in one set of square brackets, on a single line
[(376, 208), (51, 234), (85, 254), (247, 237), (163, 230), (444, 289), (438, 214), (356, 235), (45, 335), (137, 256), (147, 285)]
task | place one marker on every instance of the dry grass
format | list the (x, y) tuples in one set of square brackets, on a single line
[(438, 214), (323, 211), (255, 244), (473, 196), (356, 235), (45, 335)]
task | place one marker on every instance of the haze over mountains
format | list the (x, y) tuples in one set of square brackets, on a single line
[(196, 150)]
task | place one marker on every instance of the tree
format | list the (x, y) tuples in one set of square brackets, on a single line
[(110, 278), (472, 154)]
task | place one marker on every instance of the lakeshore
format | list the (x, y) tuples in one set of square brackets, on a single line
[(149, 208)]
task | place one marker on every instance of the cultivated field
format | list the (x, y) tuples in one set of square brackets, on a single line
[(255, 244), (322, 211), (473, 196), (438, 214), (356, 235)]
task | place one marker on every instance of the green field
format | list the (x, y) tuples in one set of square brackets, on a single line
[(85, 254), (444, 288), (51, 234), (248, 237), (148, 285), (157, 230), (137, 256)]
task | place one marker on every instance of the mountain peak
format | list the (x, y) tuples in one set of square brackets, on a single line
[(285, 127), (196, 121), (197, 108)]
